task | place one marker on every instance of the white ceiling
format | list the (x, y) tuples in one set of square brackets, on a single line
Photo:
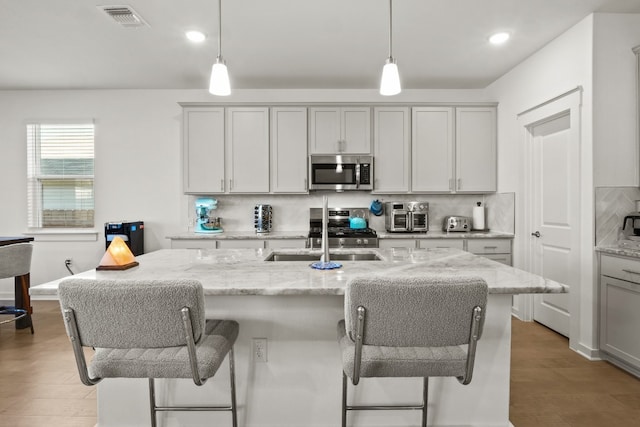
[(63, 44)]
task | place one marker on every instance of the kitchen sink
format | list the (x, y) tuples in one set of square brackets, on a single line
[(343, 256)]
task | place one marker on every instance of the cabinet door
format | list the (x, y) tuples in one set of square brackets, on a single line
[(203, 150), (248, 149), (620, 319), (397, 243), (356, 130), (391, 149), (286, 243), (289, 150), (432, 149), (476, 149), (489, 246), (324, 130), (441, 243)]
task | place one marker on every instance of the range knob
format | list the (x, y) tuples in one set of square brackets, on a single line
[(341, 242), (358, 241), (365, 241)]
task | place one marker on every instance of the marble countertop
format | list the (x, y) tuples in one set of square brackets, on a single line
[(240, 235), (618, 250), (275, 235), (437, 234), (244, 271)]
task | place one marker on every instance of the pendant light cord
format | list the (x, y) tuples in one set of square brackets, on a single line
[(219, 28), (390, 28)]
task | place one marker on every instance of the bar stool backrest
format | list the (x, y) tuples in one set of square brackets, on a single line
[(133, 314), (432, 311), (15, 260)]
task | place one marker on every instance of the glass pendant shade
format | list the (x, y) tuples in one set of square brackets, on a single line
[(390, 83), (219, 84)]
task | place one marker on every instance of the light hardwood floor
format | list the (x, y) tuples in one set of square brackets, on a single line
[(551, 386)]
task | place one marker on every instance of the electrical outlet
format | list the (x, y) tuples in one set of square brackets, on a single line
[(260, 350)]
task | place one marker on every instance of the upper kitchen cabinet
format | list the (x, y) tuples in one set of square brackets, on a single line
[(475, 149), (453, 150), (289, 150), (432, 149), (391, 149), (247, 149), (203, 150), (335, 130)]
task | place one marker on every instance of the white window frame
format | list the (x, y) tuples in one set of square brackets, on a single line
[(35, 178)]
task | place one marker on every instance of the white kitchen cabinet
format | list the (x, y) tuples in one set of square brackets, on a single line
[(240, 244), (432, 149), (335, 130), (247, 149), (620, 311), (441, 243), (392, 149), (475, 149), (453, 149), (286, 243), (193, 244), (496, 249), (289, 150), (397, 243), (203, 150)]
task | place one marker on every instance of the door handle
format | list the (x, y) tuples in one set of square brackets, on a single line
[(537, 234)]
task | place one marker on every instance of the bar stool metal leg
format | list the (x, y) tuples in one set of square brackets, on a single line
[(344, 399), (232, 374), (152, 402), (425, 400)]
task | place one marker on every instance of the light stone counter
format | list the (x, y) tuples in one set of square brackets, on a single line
[(618, 250), (244, 271), (444, 235), (240, 235)]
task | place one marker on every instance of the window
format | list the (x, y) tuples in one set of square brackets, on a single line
[(60, 175)]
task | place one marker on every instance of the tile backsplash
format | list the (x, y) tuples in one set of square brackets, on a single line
[(291, 212), (612, 205)]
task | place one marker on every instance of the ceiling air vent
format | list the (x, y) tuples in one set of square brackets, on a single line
[(125, 16)]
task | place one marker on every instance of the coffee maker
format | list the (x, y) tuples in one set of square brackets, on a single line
[(205, 221)]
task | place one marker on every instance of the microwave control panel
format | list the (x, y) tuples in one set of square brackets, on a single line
[(365, 173)]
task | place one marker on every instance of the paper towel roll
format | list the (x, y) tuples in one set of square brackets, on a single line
[(478, 217)]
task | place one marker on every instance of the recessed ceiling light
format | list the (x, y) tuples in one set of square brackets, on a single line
[(195, 36), (499, 38)]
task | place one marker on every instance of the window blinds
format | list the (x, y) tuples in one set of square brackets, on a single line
[(60, 175)]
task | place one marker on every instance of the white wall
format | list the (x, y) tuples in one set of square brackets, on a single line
[(560, 66), (614, 110), (138, 166)]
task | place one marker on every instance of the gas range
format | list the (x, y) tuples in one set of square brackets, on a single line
[(339, 232)]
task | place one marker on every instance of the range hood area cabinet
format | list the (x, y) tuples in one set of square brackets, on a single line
[(237, 150), (453, 150), (340, 130)]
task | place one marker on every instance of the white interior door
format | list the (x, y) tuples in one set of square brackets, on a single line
[(554, 214)]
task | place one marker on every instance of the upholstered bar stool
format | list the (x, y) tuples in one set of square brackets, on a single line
[(410, 327), (15, 261), (147, 329)]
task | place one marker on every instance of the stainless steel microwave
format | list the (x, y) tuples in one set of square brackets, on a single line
[(340, 172)]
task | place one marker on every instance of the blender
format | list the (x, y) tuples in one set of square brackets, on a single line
[(205, 221)]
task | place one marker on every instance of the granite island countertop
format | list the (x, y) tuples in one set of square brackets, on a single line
[(244, 271)]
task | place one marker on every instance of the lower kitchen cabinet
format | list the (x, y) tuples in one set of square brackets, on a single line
[(441, 243), (193, 244), (496, 249), (620, 312), (286, 243), (397, 243)]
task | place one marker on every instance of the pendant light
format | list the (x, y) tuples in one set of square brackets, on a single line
[(390, 83), (219, 83)]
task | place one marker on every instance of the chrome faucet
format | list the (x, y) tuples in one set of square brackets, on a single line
[(325, 232)]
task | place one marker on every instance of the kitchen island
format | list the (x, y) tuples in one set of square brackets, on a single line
[(296, 309)]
